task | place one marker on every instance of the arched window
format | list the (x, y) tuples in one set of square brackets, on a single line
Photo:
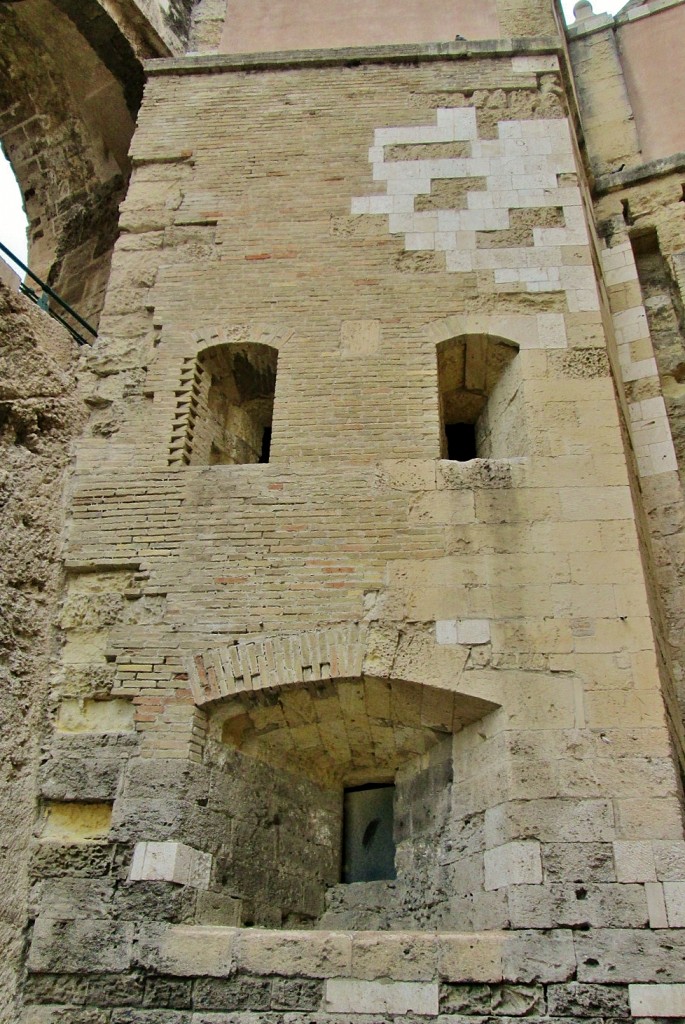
[(479, 397), (232, 405)]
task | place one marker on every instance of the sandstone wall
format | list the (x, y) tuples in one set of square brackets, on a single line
[(40, 415), (359, 609)]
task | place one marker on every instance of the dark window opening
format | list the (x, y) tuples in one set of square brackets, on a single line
[(266, 445), (368, 833), (461, 441)]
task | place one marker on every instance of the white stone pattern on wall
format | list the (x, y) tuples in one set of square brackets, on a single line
[(521, 170), (650, 431)]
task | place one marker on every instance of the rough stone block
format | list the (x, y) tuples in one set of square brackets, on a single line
[(669, 857), (471, 958), (311, 954), (634, 861), (402, 957), (185, 950), (531, 956), (616, 955), (516, 863), (674, 896), (296, 994), (577, 1000), (237, 993), (81, 946), (351, 995)]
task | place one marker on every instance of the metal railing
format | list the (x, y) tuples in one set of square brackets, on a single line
[(43, 301)]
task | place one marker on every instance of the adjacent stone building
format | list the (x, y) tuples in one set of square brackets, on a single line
[(343, 659)]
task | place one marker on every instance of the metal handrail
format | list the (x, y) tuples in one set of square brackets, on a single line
[(40, 300)]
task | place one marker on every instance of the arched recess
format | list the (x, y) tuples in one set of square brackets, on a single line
[(294, 724), (70, 87), (480, 398)]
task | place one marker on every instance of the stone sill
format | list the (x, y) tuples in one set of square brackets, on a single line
[(217, 951), (673, 164), (286, 60)]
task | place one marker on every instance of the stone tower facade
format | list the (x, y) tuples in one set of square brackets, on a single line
[(364, 699)]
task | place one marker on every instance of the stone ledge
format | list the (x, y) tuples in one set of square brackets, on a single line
[(635, 175), (285, 60)]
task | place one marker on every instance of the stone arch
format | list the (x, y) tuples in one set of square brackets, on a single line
[(282, 661), (479, 397), (479, 385), (191, 381), (293, 722), (70, 87)]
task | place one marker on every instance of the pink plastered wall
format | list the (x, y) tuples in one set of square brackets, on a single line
[(268, 25), (653, 58)]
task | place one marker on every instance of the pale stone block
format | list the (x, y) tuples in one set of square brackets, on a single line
[(349, 995), (188, 950), (473, 631), (640, 370), (96, 716), (656, 905), (657, 1000), (663, 457), (419, 240), (461, 120), (446, 631), (524, 65), (674, 895), (475, 957), (398, 955), (171, 862), (360, 205), (515, 863), (314, 954), (634, 861)]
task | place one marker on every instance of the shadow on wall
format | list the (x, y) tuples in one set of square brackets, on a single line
[(339, 797)]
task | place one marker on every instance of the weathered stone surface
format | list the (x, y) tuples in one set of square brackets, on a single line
[(289, 583), (87, 946), (584, 1000)]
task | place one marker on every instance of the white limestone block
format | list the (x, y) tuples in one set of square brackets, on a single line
[(351, 995), (657, 1000), (446, 631), (473, 631), (171, 862)]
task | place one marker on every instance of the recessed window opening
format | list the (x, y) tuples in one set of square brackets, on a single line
[(479, 398), (234, 404), (266, 445), (368, 833), (461, 441)]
